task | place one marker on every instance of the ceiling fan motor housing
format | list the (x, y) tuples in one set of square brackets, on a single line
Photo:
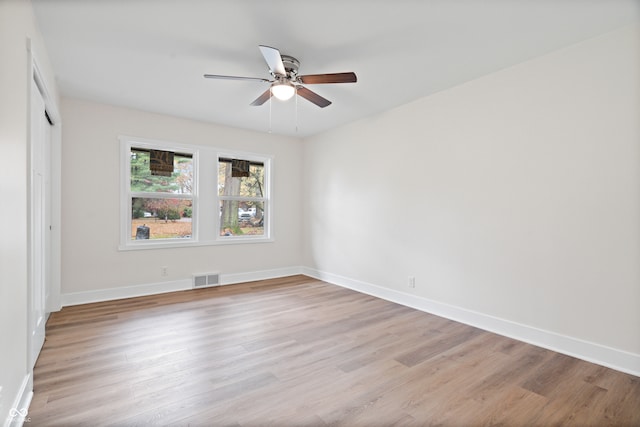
[(291, 65)]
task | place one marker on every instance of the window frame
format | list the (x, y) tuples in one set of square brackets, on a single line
[(205, 197), (126, 215), (265, 199)]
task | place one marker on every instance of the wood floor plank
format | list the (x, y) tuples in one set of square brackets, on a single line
[(298, 351)]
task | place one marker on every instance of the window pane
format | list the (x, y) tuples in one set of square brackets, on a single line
[(250, 186), (241, 218), (142, 179), (160, 218)]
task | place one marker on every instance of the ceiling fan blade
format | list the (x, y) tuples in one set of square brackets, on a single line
[(262, 98), (274, 60), (216, 76), (313, 97), (328, 78)]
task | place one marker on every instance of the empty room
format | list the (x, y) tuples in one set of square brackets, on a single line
[(308, 213)]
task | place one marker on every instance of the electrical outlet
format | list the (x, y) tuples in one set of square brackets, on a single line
[(164, 271), (411, 282)]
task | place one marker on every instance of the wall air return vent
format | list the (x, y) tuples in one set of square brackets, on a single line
[(206, 280)]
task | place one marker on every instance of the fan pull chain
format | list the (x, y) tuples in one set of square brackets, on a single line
[(296, 95), (270, 101)]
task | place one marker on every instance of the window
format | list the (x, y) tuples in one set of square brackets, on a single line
[(241, 196), (161, 196), (176, 195)]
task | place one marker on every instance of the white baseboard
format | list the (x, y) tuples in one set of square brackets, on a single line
[(591, 352), (230, 279), (18, 413), (85, 297)]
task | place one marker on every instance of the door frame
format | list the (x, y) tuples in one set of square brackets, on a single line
[(53, 272)]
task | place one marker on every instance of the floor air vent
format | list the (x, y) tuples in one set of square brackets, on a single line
[(206, 280)]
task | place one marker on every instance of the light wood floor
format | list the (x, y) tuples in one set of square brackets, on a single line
[(297, 351)]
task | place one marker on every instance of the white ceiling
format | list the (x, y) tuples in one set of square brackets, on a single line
[(151, 54)]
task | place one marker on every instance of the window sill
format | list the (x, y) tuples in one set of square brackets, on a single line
[(146, 245)]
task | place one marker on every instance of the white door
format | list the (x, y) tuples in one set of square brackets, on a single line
[(39, 223)]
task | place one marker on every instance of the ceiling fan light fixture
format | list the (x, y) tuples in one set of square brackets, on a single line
[(283, 90), (286, 82)]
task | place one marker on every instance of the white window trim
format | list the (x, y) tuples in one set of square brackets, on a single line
[(205, 200), (268, 203)]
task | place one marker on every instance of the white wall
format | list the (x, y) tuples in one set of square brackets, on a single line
[(516, 196), (91, 200), (17, 25)]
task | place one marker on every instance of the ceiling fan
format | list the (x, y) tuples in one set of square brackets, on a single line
[(286, 81)]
